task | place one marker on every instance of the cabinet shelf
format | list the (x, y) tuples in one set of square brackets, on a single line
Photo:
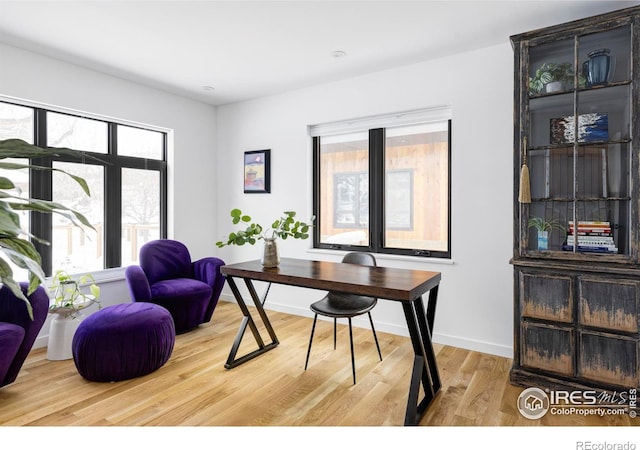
[(579, 199), (579, 145), (580, 89)]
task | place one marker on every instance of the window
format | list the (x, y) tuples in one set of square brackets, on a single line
[(140, 143), (140, 211), (351, 206), (383, 184), (125, 168), (77, 133), (399, 200), (73, 249)]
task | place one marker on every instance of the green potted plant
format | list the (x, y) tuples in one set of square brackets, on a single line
[(551, 77), (14, 246), (544, 227), (67, 295), (286, 226)]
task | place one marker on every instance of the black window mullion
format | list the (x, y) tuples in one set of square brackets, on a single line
[(376, 189), (316, 191), (113, 216), (448, 253), (113, 203), (164, 201), (41, 187)]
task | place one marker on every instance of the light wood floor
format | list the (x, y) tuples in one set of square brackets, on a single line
[(194, 389)]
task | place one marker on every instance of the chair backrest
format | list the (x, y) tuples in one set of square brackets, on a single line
[(165, 259), (362, 258)]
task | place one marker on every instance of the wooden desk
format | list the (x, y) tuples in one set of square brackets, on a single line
[(402, 285)]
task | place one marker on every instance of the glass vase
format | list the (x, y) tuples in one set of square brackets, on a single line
[(270, 255)]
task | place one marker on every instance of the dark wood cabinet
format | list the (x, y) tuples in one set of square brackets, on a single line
[(576, 287)]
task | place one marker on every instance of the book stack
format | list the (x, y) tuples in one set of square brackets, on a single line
[(592, 236)]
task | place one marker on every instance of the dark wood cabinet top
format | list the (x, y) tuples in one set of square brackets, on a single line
[(381, 282)]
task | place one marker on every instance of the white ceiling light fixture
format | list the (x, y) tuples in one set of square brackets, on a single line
[(338, 53), (208, 88)]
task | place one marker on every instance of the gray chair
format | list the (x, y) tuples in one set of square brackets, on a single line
[(339, 305)]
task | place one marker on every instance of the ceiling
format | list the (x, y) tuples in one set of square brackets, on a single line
[(222, 52)]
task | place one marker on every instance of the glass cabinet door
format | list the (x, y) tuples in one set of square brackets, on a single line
[(580, 170)]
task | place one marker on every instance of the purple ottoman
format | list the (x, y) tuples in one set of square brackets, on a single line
[(123, 341)]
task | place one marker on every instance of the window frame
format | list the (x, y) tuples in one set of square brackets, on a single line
[(376, 196), (41, 185)]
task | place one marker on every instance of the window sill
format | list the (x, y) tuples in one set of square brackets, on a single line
[(100, 276)]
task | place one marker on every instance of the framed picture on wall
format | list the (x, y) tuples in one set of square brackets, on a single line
[(257, 172)]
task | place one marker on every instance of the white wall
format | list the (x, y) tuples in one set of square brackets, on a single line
[(476, 293), (192, 199), (474, 309)]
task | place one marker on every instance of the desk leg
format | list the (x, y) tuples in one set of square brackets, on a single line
[(232, 361), (431, 357), (425, 369)]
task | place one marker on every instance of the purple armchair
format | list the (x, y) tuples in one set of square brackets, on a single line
[(18, 331), (167, 277)]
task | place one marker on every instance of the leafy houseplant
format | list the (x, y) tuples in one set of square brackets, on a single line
[(67, 295), (13, 246), (544, 227), (286, 226), (549, 73), (541, 224)]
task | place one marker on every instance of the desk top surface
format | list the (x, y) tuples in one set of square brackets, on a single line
[(381, 282)]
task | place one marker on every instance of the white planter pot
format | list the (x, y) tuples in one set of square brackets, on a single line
[(63, 327), (554, 86)]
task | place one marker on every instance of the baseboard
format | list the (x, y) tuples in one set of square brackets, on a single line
[(41, 341), (438, 338), (475, 345)]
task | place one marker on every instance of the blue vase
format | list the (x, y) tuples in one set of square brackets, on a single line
[(543, 240), (599, 67)]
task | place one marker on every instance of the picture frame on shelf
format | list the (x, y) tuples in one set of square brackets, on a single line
[(257, 172), (592, 127)]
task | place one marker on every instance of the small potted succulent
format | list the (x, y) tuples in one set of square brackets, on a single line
[(544, 227)]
